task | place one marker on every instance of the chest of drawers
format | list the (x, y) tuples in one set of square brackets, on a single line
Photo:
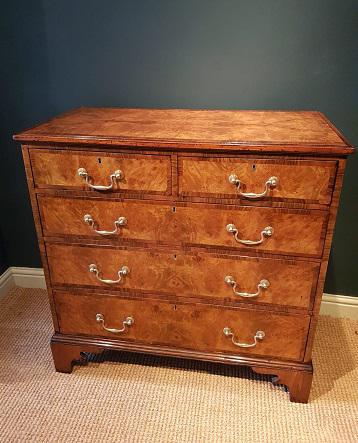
[(197, 234)]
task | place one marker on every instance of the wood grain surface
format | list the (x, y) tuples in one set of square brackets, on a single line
[(275, 131), (146, 221), (296, 232), (184, 325), (298, 381), (142, 173), (37, 220), (325, 257), (311, 181), (292, 283)]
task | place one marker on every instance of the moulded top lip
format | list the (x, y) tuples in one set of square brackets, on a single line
[(296, 132)]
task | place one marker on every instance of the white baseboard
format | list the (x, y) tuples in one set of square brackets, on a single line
[(28, 277), (23, 277), (6, 282), (333, 305), (339, 306)]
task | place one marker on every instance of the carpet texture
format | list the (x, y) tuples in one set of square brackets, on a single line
[(122, 397)]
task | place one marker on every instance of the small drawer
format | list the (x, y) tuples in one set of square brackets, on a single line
[(101, 172), (257, 179), (225, 278), (199, 327)]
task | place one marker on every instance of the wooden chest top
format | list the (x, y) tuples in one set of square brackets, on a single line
[(291, 132)]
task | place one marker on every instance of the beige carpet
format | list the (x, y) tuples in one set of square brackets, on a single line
[(137, 398)]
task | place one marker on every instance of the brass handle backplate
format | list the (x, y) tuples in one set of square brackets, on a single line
[(121, 273), (119, 223), (264, 284), (117, 175), (271, 183), (128, 321), (265, 233), (260, 335)]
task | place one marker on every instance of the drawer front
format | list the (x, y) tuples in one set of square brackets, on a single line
[(258, 229), (308, 180), (144, 221), (294, 232), (141, 173), (279, 282), (199, 327)]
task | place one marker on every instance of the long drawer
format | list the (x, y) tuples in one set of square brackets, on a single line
[(222, 277), (192, 326), (101, 172), (278, 231), (300, 180)]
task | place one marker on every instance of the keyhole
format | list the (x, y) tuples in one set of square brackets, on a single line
[(99, 160), (254, 167), (174, 209), (174, 256), (174, 307)]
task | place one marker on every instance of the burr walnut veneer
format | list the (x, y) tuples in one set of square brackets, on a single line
[(196, 234)]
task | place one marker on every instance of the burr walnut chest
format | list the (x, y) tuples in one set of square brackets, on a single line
[(188, 233)]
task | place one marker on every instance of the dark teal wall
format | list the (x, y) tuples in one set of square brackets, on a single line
[(277, 54), (3, 260)]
